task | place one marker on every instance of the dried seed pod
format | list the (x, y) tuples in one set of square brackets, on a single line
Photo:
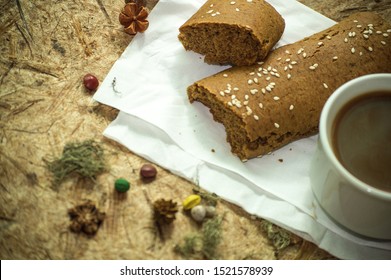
[(191, 201), (164, 211), (198, 213)]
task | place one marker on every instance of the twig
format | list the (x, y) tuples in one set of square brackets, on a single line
[(23, 18), (103, 9)]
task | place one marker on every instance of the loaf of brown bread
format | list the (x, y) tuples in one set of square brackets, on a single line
[(238, 32), (274, 102)]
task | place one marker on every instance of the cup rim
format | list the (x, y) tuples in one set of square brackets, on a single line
[(323, 136)]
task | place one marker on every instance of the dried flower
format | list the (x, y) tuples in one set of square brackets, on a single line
[(86, 218), (164, 211), (134, 18)]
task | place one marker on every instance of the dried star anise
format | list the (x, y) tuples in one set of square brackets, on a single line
[(86, 218), (134, 18)]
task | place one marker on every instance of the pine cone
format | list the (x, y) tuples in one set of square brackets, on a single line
[(164, 211)]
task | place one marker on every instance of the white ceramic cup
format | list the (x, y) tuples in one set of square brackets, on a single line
[(355, 205)]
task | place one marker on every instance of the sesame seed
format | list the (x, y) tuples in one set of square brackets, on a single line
[(370, 31), (256, 117), (291, 107), (287, 52), (290, 66), (252, 73), (237, 9), (370, 49), (253, 91), (268, 88), (259, 74), (360, 53), (382, 42), (276, 98), (267, 78), (246, 97), (300, 51), (260, 62), (385, 34), (210, 11), (256, 80), (365, 36), (222, 93), (278, 59), (294, 62), (265, 72), (228, 85), (269, 68), (263, 90), (260, 105), (389, 30), (345, 40), (245, 102), (272, 73), (379, 32), (325, 85), (250, 82), (213, 14), (273, 83), (304, 55), (289, 76), (277, 75), (335, 57), (288, 59), (316, 64), (227, 91), (225, 75), (370, 24), (353, 50), (249, 111), (211, 5), (249, 1), (366, 32), (229, 103), (312, 67), (233, 3), (274, 70), (320, 43), (286, 68), (233, 97), (328, 37), (276, 125), (359, 26), (236, 89), (355, 20)]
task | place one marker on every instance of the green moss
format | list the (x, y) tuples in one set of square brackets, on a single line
[(85, 159), (279, 237)]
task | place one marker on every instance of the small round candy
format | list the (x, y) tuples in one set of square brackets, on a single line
[(122, 185), (90, 82), (148, 171)]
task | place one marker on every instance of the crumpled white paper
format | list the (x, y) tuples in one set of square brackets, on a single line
[(148, 84)]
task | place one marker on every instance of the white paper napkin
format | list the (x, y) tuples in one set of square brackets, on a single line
[(148, 84)]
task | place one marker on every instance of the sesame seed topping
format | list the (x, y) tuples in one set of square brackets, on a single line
[(325, 85), (227, 91), (210, 11), (286, 68), (278, 59), (304, 55), (273, 83), (312, 67), (294, 62), (249, 1), (260, 105), (355, 21), (335, 57), (249, 111), (236, 89), (287, 52), (253, 91), (360, 53), (365, 36), (237, 9), (250, 82), (359, 26), (290, 66), (320, 43), (222, 93), (259, 74), (389, 30), (366, 32), (225, 75), (229, 103), (291, 107), (269, 68), (353, 50), (245, 102), (263, 90), (246, 97), (300, 51), (251, 73), (277, 75), (385, 34), (256, 117), (256, 80), (289, 76), (328, 37), (233, 97), (214, 14), (267, 78), (260, 62), (268, 88), (233, 3), (382, 42), (288, 59), (379, 32), (345, 40), (276, 125), (370, 49), (276, 98)]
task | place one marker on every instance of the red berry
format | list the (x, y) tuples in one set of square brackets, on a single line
[(148, 171), (90, 82)]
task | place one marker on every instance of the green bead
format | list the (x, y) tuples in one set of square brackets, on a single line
[(122, 185)]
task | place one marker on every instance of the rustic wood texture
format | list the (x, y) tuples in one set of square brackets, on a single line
[(46, 47)]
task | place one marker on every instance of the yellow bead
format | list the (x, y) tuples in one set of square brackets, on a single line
[(191, 201)]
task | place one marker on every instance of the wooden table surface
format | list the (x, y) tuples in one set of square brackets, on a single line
[(46, 48)]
